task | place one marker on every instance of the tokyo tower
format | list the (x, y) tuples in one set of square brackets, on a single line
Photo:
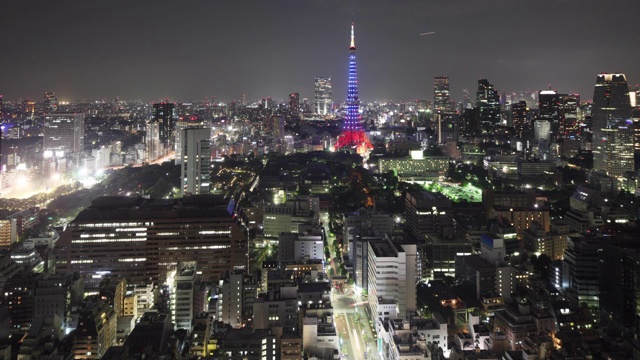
[(353, 135)]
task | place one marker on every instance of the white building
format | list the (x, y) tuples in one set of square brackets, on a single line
[(144, 294), (319, 336), (183, 294), (181, 125), (154, 147), (403, 339), (293, 247), (236, 293), (391, 276), (230, 299), (195, 153)]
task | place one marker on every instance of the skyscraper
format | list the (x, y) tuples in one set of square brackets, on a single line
[(352, 131), (50, 102), (323, 95), (184, 122), (569, 125), (166, 115), (549, 110), (63, 136), (519, 112), (488, 102), (549, 104), (613, 140), (153, 147), (294, 103), (441, 99), (195, 153)]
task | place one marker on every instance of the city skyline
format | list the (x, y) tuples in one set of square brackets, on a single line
[(226, 49)]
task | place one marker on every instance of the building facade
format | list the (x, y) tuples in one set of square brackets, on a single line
[(143, 239), (323, 95)]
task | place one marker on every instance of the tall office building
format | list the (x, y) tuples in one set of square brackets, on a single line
[(441, 98), (488, 102), (166, 115), (323, 95), (613, 138), (548, 105), (278, 128), (569, 124), (142, 239), (63, 136), (294, 103), (186, 111), (519, 113), (196, 161), (446, 129), (50, 102)]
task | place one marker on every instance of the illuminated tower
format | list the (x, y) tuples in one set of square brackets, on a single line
[(352, 131)]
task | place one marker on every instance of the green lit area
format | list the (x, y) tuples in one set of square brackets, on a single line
[(457, 192)]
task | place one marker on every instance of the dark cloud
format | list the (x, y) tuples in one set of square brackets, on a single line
[(200, 48)]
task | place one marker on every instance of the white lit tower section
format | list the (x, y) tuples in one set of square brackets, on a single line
[(613, 138), (323, 95)]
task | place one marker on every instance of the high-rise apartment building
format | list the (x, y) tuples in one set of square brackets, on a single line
[(63, 136), (195, 154), (613, 137), (142, 239), (441, 98), (166, 115), (153, 147), (488, 102), (323, 95), (184, 122)]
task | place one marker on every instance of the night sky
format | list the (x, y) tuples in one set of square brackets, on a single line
[(192, 49)]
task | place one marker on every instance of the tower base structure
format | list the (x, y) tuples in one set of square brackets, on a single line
[(357, 139)]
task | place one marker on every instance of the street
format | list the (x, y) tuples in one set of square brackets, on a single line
[(352, 320), (352, 326)]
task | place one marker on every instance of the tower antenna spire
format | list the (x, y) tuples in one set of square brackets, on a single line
[(353, 38)]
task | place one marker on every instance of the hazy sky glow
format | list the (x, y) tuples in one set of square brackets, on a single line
[(192, 49)]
